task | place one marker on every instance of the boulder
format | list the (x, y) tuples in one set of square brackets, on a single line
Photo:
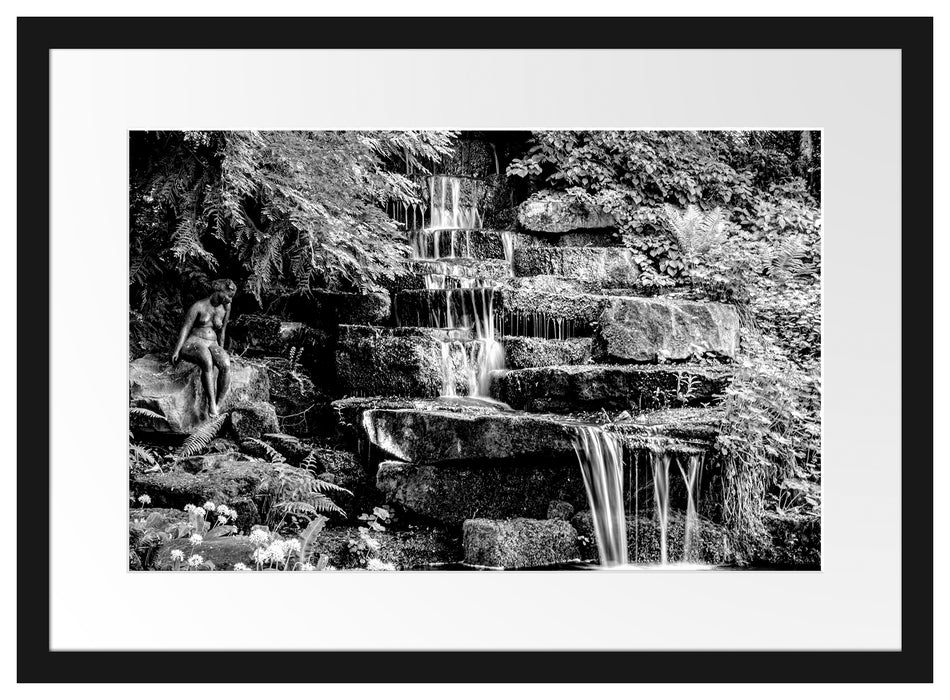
[(452, 493), (252, 419), (176, 394), (220, 552), (560, 510), (680, 430), (609, 267), (567, 388), (560, 212), (412, 548), (521, 543), (375, 361), (433, 436), (225, 482), (522, 352), (710, 544), (635, 329)]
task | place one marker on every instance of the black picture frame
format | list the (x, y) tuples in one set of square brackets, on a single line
[(36, 37)]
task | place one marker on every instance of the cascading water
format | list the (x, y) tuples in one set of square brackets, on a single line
[(692, 475), (661, 493), (469, 301), (600, 458)]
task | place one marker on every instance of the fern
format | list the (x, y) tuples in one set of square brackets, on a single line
[(201, 437), (309, 536), (696, 231), (272, 454), (297, 491), (144, 412)]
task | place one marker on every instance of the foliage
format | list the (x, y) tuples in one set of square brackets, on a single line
[(288, 554), (279, 212), (148, 533), (199, 439), (296, 494), (770, 434), (364, 547)]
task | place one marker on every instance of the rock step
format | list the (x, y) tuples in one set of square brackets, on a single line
[(610, 267), (480, 244), (563, 389), (450, 494), (404, 361), (471, 431), (522, 352), (450, 272), (626, 329)]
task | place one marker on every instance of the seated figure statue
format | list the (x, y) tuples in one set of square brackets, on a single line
[(201, 341)]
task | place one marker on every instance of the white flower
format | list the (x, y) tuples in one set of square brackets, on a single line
[(291, 546), (379, 565), (178, 555), (233, 514), (209, 505), (195, 540), (259, 537), (190, 507), (240, 567), (145, 499), (222, 519), (275, 552), (200, 512), (259, 555), (223, 509), (196, 560), (306, 566)]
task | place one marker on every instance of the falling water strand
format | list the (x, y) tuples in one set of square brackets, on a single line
[(600, 457), (692, 476), (661, 495)]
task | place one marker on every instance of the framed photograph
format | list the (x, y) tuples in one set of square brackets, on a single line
[(559, 348)]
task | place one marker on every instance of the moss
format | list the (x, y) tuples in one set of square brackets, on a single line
[(518, 544)]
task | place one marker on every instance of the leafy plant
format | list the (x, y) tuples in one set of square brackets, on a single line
[(363, 547), (296, 493), (199, 439)]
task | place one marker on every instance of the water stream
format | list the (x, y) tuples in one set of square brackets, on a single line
[(469, 348), (601, 458)]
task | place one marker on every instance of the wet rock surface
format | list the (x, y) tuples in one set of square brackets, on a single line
[(650, 330), (453, 493), (612, 388), (225, 482), (402, 549), (175, 392), (253, 419), (518, 544)]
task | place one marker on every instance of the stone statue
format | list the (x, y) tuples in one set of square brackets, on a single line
[(201, 341)]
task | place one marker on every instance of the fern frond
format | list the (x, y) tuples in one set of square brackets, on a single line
[(272, 454), (144, 412), (326, 487), (309, 536), (201, 437), (143, 453)]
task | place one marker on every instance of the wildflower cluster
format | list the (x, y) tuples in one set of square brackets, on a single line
[(274, 552)]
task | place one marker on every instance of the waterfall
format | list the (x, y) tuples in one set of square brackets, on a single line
[(692, 477), (469, 302), (600, 458), (661, 495)]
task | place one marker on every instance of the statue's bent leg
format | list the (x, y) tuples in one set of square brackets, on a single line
[(219, 357), (198, 353)]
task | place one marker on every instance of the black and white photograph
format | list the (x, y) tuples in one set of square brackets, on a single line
[(475, 351)]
